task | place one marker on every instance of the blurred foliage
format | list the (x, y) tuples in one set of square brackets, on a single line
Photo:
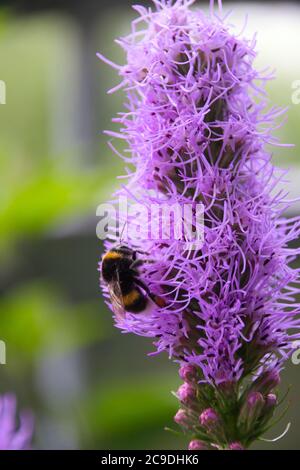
[(33, 201), (39, 190), (136, 410), (280, 93), (35, 318)]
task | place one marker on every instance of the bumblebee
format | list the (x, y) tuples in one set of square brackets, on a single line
[(128, 293)]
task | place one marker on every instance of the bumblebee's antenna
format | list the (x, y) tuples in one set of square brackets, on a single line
[(212, 6), (122, 233)]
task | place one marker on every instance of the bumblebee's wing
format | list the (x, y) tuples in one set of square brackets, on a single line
[(116, 299)]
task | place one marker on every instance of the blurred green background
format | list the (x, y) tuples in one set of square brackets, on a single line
[(89, 385)]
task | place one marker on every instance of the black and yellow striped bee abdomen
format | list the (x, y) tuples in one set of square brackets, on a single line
[(135, 301)]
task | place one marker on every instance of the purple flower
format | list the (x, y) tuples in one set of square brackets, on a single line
[(197, 122), (13, 435)]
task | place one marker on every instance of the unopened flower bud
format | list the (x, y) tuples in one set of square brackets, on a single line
[(236, 446), (188, 373), (181, 418), (271, 400), (195, 444), (254, 399), (208, 418), (266, 382), (186, 393), (251, 410), (270, 404)]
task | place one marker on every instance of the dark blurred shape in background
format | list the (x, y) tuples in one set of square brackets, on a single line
[(89, 385)]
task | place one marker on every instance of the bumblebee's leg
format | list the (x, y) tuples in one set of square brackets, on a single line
[(140, 252), (143, 286), (139, 262), (156, 299), (136, 263)]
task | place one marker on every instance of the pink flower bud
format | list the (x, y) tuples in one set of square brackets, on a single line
[(195, 444), (266, 382), (188, 373), (236, 446), (271, 400), (186, 393), (181, 418), (208, 418), (254, 399), (270, 404), (251, 410)]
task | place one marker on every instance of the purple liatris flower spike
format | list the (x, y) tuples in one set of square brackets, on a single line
[(197, 122), (14, 435)]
